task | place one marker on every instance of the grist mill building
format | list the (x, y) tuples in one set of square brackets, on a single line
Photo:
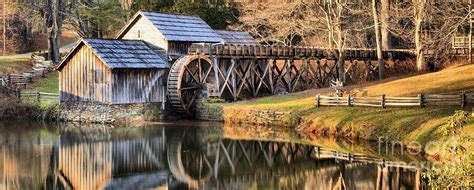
[(102, 80)]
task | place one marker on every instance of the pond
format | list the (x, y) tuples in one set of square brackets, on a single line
[(195, 155)]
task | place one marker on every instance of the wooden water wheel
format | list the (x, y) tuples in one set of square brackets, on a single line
[(188, 76)]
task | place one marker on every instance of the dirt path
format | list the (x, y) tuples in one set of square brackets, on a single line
[(63, 49)]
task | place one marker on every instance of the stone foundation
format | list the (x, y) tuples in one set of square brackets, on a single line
[(258, 117), (209, 111), (86, 112)]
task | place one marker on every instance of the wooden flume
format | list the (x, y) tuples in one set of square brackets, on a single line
[(233, 71)]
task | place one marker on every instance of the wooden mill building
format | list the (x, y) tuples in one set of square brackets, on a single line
[(170, 34), (133, 67), (113, 72)]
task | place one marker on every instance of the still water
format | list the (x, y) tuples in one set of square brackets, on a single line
[(194, 155)]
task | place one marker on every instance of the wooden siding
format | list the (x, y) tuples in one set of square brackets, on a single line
[(178, 48), (138, 85), (144, 30), (85, 78)]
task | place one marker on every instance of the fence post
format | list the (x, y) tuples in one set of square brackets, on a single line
[(383, 101), (349, 101), (18, 93), (422, 100), (463, 99), (9, 80), (38, 97), (318, 100)]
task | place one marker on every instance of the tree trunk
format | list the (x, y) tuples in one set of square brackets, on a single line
[(4, 27), (384, 18), (340, 67), (378, 40), (419, 7), (55, 20)]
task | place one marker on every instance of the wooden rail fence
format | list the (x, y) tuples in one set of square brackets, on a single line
[(40, 97), (422, 100)]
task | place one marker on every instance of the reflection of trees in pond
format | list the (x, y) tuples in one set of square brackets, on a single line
[(24, 158)]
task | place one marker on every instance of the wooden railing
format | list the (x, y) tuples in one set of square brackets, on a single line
[(461, 42), (462, 99), (12, 80), (280, 51)]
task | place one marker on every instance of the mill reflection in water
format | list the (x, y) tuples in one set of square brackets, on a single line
[(187, 157)]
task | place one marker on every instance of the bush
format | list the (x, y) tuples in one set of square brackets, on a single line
[(457, 172)]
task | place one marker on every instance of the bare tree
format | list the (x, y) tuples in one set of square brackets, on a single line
[(378, 39), (287, 23), (55, 10), (384, 21), (419, 7)]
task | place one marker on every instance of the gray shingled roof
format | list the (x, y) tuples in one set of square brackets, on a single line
[(183, 28), (126, 54), (236, 37)]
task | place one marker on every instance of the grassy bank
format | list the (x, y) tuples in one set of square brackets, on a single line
[(14, 65), (393, 124), (49, 84)]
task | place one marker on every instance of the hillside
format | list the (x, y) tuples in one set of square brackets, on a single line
[(394, 124), (452, 80)]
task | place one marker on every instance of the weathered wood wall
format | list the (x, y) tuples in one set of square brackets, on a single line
[(144, 30), (138, 86), (85, 78), (178, 48)]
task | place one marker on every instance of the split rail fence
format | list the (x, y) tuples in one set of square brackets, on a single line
[(422, 100), (40, 97)]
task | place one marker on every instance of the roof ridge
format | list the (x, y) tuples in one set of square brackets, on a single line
[(108, 39), (173, 14)]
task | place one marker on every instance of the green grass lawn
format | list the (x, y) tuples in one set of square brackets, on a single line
[(49, 84), (14, 65)]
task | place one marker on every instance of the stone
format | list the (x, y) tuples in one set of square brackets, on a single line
[(88, 112)]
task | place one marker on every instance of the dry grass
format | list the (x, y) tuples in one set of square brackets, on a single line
[(14, 65), (449, 80)]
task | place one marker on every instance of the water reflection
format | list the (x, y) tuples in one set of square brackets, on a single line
[(166, 156)]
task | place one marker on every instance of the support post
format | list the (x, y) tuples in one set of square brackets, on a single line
[(216, 73), (383, 101), (9, 79), (463, 99), (422, 99), (349, 103), (38, 97), (470, 31), (318, 100), (18, 93), (270, 75)]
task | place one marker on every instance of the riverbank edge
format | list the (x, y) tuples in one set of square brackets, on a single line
[(425, 129)]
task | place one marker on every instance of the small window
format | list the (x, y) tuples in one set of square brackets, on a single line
[(139, 34), (98, 77)]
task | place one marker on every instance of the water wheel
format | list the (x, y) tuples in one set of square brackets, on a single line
[(188, 76)]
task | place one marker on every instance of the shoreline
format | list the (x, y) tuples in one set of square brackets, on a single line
[(416, 133)]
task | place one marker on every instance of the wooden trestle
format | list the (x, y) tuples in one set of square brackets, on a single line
[(233, 71)]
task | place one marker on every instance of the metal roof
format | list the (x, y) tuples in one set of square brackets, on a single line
[(122, 54), (182, 28), (236, 37)]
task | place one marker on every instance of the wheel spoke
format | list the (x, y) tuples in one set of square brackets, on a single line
[(191, 74), (190, 88)]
